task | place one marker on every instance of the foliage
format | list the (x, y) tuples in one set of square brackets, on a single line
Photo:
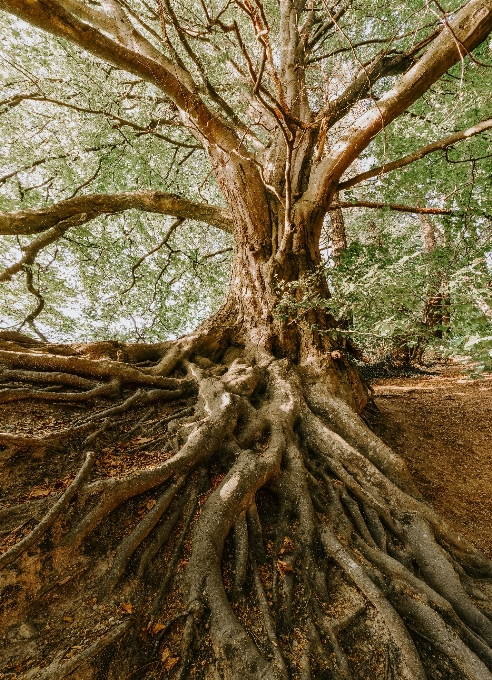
[(380, 288)]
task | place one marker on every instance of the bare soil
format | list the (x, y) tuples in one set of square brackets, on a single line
[(442, 425)]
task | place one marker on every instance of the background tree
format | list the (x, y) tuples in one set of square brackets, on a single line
[(303, 536)]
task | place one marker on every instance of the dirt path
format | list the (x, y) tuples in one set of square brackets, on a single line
[(442, 426)]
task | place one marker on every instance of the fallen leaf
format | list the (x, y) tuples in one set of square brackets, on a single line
[(150, 504), (38, 493), (158, 626), (288, 545), (166, 654), (68, 619), (170, 663), (126, 607), (284, 567)]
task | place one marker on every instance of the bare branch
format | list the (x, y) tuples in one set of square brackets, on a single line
[(439, 145), (85, 208), (29, 320), (31, 251), (163, 242), (120, 122)]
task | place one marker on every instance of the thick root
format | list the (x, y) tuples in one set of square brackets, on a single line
[(262, 532)]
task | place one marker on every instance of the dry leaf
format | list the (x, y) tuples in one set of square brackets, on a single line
[(288, 545), (170, 663), (158, 626), (38, 493), (150, 504), (126, 607), (284, 567), (166, 654), (68, 619)]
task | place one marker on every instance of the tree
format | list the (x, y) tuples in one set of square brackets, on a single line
[(304, 537)]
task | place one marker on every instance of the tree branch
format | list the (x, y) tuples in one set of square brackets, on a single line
[(471, 25), (381, 66), (31, 251), (54, 18), (90, 206), (119, 121), (120, 28), (393, 206), (439, 145)]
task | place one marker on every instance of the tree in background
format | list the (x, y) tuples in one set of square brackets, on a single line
[(307, 550)]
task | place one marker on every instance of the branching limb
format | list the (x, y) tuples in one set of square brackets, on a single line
[(163, 242), (439, 145), (397, 207), (81, 209), (50, 236), (471, 25)]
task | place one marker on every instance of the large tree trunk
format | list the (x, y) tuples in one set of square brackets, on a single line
[(257, 530)]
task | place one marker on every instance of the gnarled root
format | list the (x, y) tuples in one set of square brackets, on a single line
[(262, 532)]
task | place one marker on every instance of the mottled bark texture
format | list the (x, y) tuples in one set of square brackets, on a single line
[(216, 507)]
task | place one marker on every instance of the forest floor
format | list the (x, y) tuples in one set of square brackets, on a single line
[(441, 423)]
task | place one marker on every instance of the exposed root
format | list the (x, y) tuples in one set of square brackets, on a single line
[(169, 574), (241, 546), (140, 533), (269, 624), (285, 540), (111, 370), (111, 389), (140, 398), (54, 512), (59, 669), (55, 378)]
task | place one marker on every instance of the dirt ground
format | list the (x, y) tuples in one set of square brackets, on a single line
[(442, 425)]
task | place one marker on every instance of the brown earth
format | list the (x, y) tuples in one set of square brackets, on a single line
[(442, 425)]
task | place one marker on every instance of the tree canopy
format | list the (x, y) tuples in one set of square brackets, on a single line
[(74, 126)]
